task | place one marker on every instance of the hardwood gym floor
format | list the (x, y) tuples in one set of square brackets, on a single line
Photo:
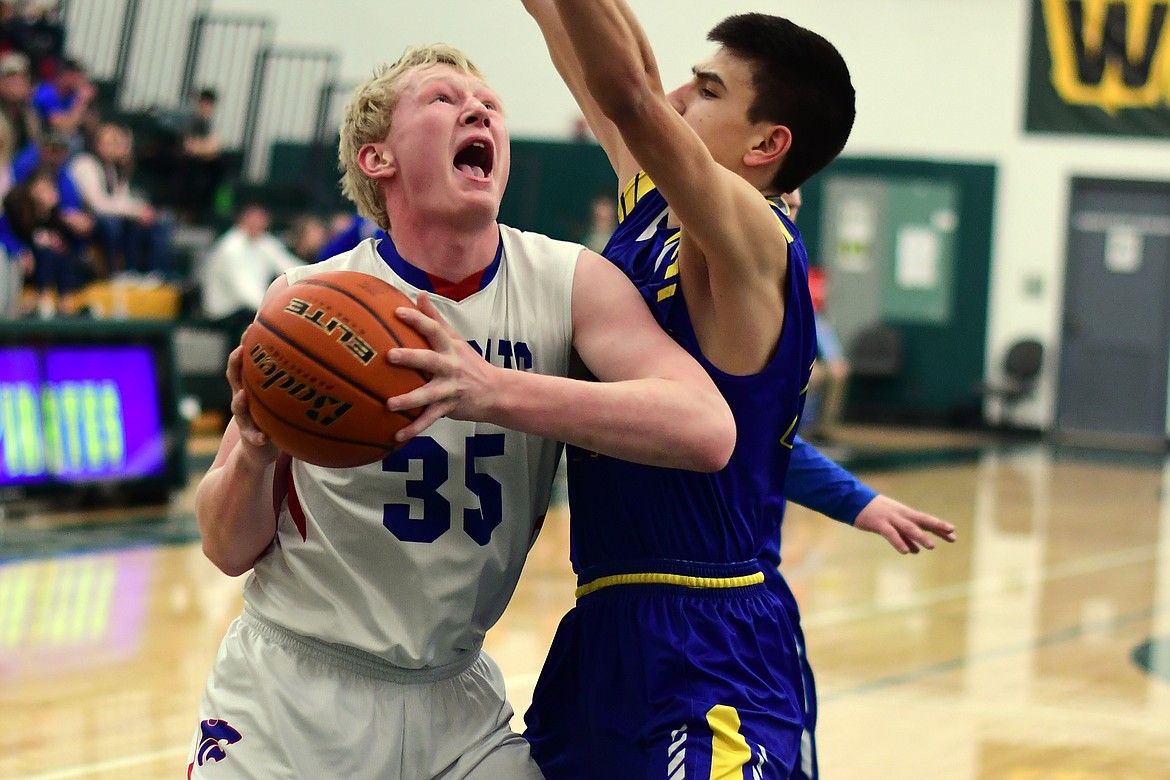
[(1037, 646)]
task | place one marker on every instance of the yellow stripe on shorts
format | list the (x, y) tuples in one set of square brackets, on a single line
[(729, 750), (663, 578)]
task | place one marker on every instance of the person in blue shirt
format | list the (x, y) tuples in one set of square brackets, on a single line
[(357, 231), (63, 101)]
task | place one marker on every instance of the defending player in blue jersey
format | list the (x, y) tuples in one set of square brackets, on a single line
[(676, 661), (679, 660)]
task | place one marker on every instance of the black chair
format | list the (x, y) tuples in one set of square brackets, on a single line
[(876, 352), (1021, 371)]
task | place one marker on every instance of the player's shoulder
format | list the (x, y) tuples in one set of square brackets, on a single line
[(363, 257), (525, 245)]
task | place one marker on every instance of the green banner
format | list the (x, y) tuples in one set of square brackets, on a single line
[(1100, 67)]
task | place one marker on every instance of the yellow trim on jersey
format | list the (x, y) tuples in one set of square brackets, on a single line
[(783, 229), (666, 292), (784, 439), (729, 750), (633, 192), (809, 383), (663, 578)]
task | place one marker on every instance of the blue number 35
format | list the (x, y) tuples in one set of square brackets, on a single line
[(436, 520)]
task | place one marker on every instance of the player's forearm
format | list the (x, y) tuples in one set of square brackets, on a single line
[(611, 50), (655, 421), (560, 49), (233, 505), (816, 482)]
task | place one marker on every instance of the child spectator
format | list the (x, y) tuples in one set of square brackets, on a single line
[(35, 218)]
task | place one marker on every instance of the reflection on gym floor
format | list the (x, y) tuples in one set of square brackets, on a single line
[(1037, 646)]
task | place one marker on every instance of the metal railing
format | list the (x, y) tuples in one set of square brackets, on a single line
[(289, 87), (221, 54), (159, 54), (133, 44)]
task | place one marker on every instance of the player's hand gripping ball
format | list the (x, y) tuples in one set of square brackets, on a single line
[(316, 373)]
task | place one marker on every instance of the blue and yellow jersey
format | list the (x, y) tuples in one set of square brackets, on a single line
[(625, 513)]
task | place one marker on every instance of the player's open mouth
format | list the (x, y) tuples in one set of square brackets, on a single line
[(475, 160)]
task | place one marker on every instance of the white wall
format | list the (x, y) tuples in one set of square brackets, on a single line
[(936, 79)]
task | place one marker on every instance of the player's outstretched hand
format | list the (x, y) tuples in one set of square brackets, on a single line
[(905, 528), (259, 448), (460, 386)]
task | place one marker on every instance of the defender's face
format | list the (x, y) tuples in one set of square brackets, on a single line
[(715, 103), (449, 143)]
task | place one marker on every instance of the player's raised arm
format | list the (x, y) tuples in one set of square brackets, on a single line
[(560, 50), (733, 243)]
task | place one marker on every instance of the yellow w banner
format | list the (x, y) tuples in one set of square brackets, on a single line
[(1100, 66)]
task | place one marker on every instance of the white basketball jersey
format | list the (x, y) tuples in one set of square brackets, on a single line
[(414, 558)]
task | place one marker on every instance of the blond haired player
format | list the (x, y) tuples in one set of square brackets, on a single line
[(358, 654)]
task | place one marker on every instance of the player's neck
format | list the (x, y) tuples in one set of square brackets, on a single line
[(445, 251)]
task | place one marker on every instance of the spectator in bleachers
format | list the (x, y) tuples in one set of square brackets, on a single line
[(15, 258), (54, 151), (63, 101), (198, 165), (9, 22), (16, 109), (348, 231), (135, 236), (307, 235), (238, 269), (37, 29), (36, 218)]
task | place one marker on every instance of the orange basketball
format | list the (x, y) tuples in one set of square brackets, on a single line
[(316, 373)]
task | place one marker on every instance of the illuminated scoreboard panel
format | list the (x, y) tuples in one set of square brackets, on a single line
[(79, 414)]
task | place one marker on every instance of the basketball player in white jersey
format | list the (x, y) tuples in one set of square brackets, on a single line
[(358, 654)]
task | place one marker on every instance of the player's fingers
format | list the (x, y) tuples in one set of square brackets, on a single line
[(932, 524), (427, 307), (434, 331), (418, 398), (427, 360), (913, 533), (424, 421), (891, 535), (235, 367)]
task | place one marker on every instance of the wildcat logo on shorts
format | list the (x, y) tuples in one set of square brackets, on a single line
[(215, 737)]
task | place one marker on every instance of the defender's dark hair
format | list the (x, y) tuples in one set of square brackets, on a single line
[(801, 82)]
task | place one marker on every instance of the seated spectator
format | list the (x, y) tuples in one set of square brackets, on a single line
[(307, 236), (198, 161), (348, 230), (35, 218), (16, 109), (238, 269), (830, 376), (133, 235), (54, 153), (15, 259), (37, 29), (602, 222), (63, 101)]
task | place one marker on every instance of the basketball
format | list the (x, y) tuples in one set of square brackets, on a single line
[(316, 373)]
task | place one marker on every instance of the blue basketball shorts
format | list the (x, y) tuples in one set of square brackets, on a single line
[(650, 680)]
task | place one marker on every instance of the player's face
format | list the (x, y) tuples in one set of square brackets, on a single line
[(715, 103), (449, 142)]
